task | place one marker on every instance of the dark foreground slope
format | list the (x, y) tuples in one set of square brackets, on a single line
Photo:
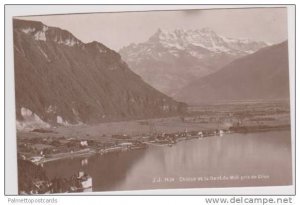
[(59, 79), (263, 75)]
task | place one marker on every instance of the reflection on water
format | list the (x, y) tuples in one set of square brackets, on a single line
[(84, 162), (107, 171), (255, 159)]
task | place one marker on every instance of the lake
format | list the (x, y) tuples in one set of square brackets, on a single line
[(253, 159)]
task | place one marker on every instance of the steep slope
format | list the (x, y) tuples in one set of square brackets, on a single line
[(262, 75), (170, 60), (59, 79)]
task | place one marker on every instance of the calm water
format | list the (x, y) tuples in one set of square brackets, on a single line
[(255, 159)]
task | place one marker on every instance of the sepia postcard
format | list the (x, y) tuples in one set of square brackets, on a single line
[(158, 99)]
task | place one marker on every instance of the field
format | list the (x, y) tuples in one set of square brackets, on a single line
[(218, 116), (246, 115)]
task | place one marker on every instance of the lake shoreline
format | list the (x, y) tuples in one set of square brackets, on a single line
[(234, 156), (90, 151)]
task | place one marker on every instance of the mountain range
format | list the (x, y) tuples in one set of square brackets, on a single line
[(170, 60), (263, 75), (61, 80)]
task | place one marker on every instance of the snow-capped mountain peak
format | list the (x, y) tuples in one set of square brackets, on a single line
[(205, 38), (41, 32), (169, 60)]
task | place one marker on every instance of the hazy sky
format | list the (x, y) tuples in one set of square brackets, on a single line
[(116, 30)]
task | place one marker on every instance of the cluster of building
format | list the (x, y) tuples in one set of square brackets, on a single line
[(173, 138), (123, 146), (41, 150), (81, 182)]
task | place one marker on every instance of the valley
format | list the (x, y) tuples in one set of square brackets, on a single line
[(90, 118), (43, 145)]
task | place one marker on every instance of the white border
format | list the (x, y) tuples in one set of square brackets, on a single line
[(10, 135)]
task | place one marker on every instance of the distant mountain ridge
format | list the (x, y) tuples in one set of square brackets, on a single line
[(170, 60), (263, 75), (61, 80), (207, 39)]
